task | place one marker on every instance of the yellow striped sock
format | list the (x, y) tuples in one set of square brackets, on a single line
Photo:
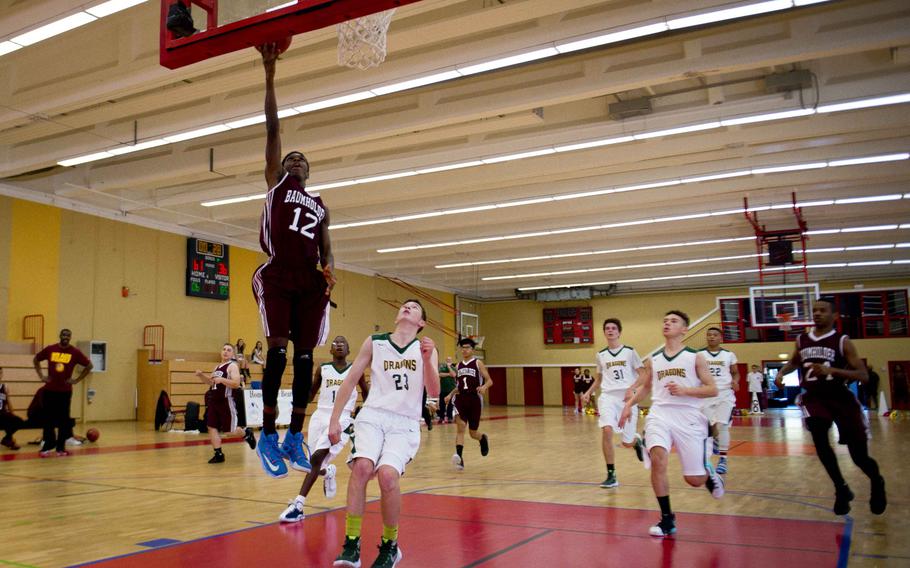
[(352, 524)]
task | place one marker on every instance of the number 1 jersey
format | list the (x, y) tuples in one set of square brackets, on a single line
[(331, 382)]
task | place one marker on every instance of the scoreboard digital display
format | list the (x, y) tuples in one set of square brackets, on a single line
[(568, 326), (207, 269)]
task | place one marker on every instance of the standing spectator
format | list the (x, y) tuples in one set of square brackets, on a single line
[(870, 389), (447, 385), (62, 359), (578, 387), (757, 385), (900, 390), (9, 422)]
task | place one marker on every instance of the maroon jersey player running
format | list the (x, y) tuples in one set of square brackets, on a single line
[(292, 288), (471, 382), (827, 361)]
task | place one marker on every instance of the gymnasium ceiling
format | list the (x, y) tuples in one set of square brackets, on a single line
[(100, 86)]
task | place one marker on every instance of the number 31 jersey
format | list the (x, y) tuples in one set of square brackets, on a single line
[(618, 369), (290, 231), (396, 377), (331, 382)]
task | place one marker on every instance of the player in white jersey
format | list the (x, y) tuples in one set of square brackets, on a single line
[(329, 378), (719, 409), (679, 380), (618, 368), (387, 430)]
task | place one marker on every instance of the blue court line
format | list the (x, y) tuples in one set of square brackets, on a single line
[(158, 542), (844, 555)]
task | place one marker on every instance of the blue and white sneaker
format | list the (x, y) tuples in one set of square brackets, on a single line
[(721, 468), (271, 456), (715, 446), (292, 446), (294, 512)]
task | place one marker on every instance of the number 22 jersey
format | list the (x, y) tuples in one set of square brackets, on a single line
[(396, 377)]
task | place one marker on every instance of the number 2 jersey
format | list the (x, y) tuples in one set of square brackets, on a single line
[(290, 230), (618, 369), (396, 377), (328, 390), (826, 350), (719, 365)]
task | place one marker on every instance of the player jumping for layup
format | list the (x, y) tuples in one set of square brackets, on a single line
[(719, 409), (827, 360), (387, 430), (618, 368), (329, 378), (679, 379), (471, 382), (292, 293)]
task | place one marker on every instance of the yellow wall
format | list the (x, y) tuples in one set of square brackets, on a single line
[(514, 333), (33, 266), (71, 268)]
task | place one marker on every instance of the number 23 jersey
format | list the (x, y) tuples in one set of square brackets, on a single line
[(396, 377), (618, 369)]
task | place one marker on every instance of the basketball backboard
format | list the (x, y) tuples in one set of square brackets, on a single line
[(224, 26), (783, 304)]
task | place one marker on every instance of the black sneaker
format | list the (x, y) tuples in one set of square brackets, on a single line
[(217, 458), (878, 501), (249, 438), (639, 447), (389, 554), (666, 527), (350, 554), (842, 498), (484, 445)]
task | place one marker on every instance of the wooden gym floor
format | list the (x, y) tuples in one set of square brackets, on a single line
[(142, 498)]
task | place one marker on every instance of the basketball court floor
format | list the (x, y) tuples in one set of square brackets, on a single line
[(142, 498)]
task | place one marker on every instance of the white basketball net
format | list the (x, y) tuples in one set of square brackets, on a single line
[(362, 41)]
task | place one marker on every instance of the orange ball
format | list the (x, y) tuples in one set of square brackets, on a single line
[(92, 435)]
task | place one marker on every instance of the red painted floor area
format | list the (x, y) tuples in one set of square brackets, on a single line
[(463, 532)]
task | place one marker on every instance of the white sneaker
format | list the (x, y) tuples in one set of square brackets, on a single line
[(73, 442), (329, 484), (457, 462), (294, 512), (717, 482)]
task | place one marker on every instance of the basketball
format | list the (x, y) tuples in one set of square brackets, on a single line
[(92, 434), (283, 44)]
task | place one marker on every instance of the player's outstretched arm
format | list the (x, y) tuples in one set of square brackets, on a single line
[(430, 366), (272, 125), (364, 358), (792, 365), (325, 254)]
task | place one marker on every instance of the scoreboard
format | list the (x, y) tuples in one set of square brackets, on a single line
[(563, 326), (207, 269)]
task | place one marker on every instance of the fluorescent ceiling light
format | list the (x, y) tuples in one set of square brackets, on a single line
[(286, 112), (869, 199), (414, 83), (594, 144), (678, 130), (332, 185), (508, 61), (8, 47), (197, 133), (789, 168), (138, 147), (767, 117), (335, 101), (869, 160), (808, 2), (519, 156), (612, 37), (385, 177), (729, 14), (449, 167), (280, 6), (865, 103), (112, 7), (712, 177), (54, 28), (249, 121), (231, 200), (85, 159)]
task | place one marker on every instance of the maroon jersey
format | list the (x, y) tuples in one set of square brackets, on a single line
[(468, 377), (219, 391), (61, 361), (826, 350), (290, 230)]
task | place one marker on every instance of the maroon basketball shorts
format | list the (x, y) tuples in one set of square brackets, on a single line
[(292, 304), (220, 413), (843, 410), (468, 407)]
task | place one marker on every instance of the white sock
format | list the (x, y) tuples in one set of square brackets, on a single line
[(723, 437)]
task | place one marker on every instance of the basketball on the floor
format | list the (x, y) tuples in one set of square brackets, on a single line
[(92, 434)]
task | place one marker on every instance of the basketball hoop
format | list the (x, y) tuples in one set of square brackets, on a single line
[(784, 321), (479, 340), (362, 41)]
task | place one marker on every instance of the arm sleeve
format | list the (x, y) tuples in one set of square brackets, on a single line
[(42, 355)]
